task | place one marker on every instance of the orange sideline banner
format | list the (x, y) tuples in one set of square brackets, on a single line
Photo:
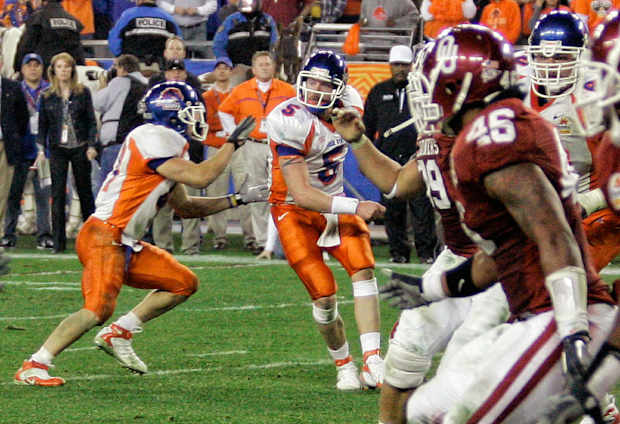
[(364, 76)]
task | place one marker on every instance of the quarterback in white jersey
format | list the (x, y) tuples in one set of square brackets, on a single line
[(313, 215), (151, 164)]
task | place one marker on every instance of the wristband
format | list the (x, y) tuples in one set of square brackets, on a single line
[(459, 280), (344, 205), (392, 193), (232, 201)]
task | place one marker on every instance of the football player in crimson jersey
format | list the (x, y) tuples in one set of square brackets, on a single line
[(516, 201), (446, 325), (556, 83), (312, 214), (150, 164)]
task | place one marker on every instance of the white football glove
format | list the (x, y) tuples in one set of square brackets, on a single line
[(402, 291), (251, 194)]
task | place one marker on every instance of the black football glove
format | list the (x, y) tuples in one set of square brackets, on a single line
[(241, 132)]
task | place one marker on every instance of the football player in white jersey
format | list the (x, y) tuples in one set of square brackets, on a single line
[(313, 215), (556, 83), (152, 168)]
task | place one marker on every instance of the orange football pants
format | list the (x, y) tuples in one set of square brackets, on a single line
[(299, 230), (105, 271), (602, 230)]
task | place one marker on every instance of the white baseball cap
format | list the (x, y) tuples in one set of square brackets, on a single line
[(401, 54)]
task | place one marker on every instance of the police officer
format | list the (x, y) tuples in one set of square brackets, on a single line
[(143, 31), (244, 33)]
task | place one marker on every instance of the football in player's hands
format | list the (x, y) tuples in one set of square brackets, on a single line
[(402, 291), (242, 131)]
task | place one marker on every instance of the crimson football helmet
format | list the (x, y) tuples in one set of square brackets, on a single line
[(465, 64)]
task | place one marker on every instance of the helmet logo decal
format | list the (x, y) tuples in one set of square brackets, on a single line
[(447, 54), (172, 98)]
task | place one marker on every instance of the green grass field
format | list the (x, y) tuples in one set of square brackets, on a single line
[(243, 349)]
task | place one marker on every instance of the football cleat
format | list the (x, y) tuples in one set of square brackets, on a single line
[(347, 378), (373, 370), (34, 373), (116, 341)]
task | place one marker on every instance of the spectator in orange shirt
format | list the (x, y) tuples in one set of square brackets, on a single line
[(503, 16), (441, 14), (538, 10), (255, 97), (216, 138)]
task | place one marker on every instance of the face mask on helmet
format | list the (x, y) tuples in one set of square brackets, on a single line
[(554, 54), (424, 113), (175, 105), (322, 81)]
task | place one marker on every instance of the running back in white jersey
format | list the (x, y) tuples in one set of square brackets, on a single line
[(132, 193)]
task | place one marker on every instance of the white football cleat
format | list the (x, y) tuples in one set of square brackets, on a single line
[(33, 373), (348, 377), (116, 341), (373, 370)]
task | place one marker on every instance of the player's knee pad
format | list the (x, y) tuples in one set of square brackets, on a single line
[(325, 315), (405, 369), (365, 288)]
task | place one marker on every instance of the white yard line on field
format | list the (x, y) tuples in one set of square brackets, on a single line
[(229, 352), (159, 373), (341, 301)]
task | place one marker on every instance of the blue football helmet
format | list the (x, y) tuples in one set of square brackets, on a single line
[(326, 66), (554, 53), (175, 104)]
